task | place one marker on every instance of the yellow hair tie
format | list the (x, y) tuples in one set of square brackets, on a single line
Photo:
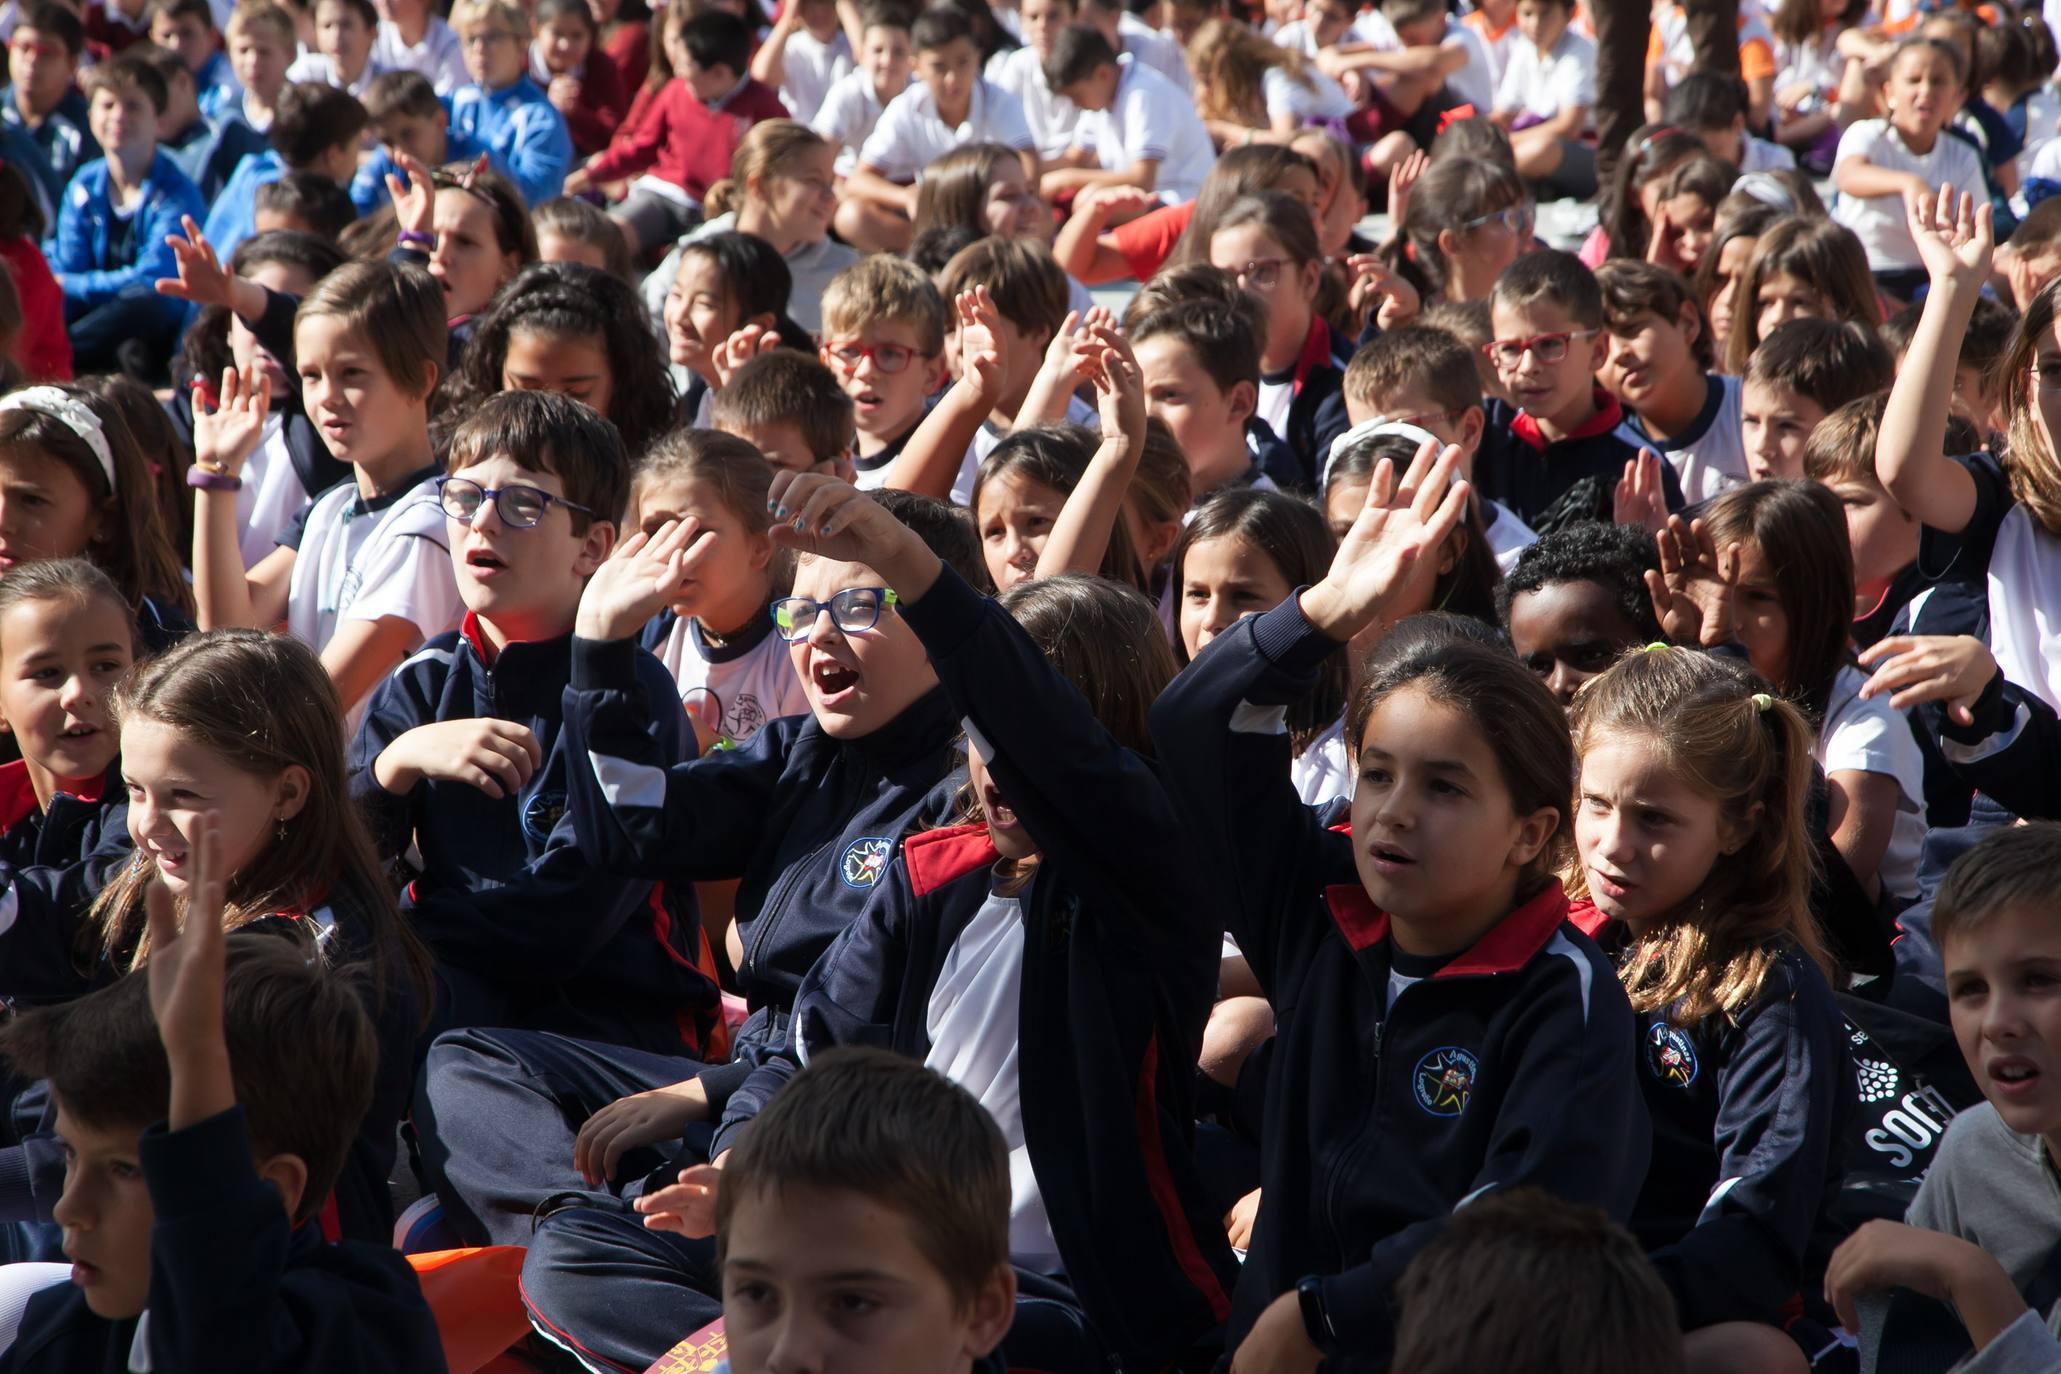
[(1658, 647), (1762, 701)]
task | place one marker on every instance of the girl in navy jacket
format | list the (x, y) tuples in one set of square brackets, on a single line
[(1443, 1030), (1081, 872), (1694, 851)]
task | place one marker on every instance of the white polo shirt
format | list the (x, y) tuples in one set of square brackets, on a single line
[(1051, 116), (1878, 221), (1150, 119), (1544, 84), (1315, 96), (1155, 49), (811, 67), (850, 110), (439, 56), (911, 134)]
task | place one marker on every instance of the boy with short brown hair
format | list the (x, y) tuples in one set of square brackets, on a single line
[(884, 327)]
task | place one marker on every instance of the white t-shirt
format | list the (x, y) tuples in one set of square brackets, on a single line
[(849, 111), (1873, 737), (2024, 589), (1315, 96), (360, 560), (318, 69), (1051, 116), (1545, 84), (735, 689), (439, 56), (1150, 119), (911, 135), (1759, 155), (1710, 456), (1155, 49), (1507, 535), (1323, 771), (811, 68), (1817, 64), (974, 1018), (1878, 221), (270, 496)]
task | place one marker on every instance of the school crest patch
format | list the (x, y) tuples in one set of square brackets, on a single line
[(865, 860), (1671, 1055), (541, 814), (1445, 1080)]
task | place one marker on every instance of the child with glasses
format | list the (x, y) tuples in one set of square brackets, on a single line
[(502, 107), (1557, 455), (807, 817), (884, 329), (463, 756)]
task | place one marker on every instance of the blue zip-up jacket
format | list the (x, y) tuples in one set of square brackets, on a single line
[(79, 252), (234, 215), (1512, 1066), (523, 130), (234, 142), (2009, 751), (219, 93), (806, 822), (58, 147), (233, 1285), (1749, 1128), (571, 949), (368, 188), (53, 864), (1120, 962)]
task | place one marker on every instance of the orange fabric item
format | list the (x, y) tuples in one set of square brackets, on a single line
[(700, 1353), (476, 1295)]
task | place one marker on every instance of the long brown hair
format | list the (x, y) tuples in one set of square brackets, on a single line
[(1800, 530), (263, 703), (134, 545), (954, 189), (2030, 461), (1230, 61), (1826, 255), (1750, 751), (1240, 172)]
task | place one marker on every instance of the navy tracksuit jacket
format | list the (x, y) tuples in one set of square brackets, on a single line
[(1749, 1128), (53, 864), (808, 823), (529, 933), (1120, 963), (1510, 1067), (233, 1286)]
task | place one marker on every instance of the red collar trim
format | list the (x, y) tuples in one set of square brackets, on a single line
[(18, 792), (1609, 415), (1584, 916), (1316, 349), (1509, 945), (476, 635), (938, 857)]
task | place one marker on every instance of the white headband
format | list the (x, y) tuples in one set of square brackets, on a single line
[(1768, 191), (74, 414), (1371, 429)]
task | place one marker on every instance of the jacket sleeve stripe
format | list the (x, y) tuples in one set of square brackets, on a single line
[(625, 784), (1957, 752), (1248, 719), (1584, 974)]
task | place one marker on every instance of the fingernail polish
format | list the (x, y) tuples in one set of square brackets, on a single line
[(780, 512), (825, 529)]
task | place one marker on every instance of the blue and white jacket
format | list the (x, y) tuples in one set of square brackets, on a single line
[(79, 252), (807, 823), (1511, 1066), (233, 217), (1120, 962), (565, 946), (522, 129), (53, 863)]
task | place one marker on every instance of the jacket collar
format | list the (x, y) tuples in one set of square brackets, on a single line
[(1316, 349), (1609, 415), (924, 727), (938, 857), (1507, 947), (18, 793)]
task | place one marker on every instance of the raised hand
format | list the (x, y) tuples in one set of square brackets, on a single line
[(1401, 178), (983, 350), (187, 968), (1119, 389), (1693, 591), (1956, 238), (1401, 522), (1912, 669), (740, 348), (414, 194), (1640, 498), (1394, 300), (202, 278), (822, 516), (224, 438), (646, 573)]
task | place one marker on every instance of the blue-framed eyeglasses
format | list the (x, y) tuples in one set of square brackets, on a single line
[(521, 506), (854, 610)]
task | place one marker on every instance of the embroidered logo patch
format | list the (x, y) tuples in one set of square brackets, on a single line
[(865, 861), (1671, 1055), (541, 814), (1445, 1080)]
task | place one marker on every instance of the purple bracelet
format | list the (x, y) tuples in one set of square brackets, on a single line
[(415, 238), (201, 479)]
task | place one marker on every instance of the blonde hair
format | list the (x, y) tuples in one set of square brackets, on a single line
[(761, 153), (1750, 751), (2029, 458), (1230, 62), (469, 13), (879, 289), (262, 14)]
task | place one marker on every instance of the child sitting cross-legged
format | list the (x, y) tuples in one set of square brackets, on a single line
[(200, 1150), (461, 760)]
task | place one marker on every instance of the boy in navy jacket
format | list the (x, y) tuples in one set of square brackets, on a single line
[(807, 817), (214, 1259), (109, 249), (462, 754), (1096, 1031)]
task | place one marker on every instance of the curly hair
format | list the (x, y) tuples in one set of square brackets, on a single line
[(572, 300), (1614, 557)]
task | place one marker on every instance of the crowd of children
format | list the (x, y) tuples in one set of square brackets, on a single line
[(639, 735)]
